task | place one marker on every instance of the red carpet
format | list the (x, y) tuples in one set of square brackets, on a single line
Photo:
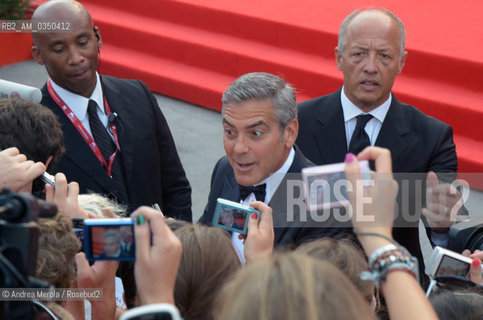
[(192, 49)]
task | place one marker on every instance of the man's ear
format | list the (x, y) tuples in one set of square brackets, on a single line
[(49, 160), (36, 55), (290, 133), (338, 58), (97, 34), (402, 61)]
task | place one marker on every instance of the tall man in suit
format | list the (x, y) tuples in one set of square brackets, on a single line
[(117, 140), (260, 128), (370, 54)]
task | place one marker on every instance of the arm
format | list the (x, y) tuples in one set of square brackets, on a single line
[(444, 206), (100, 275), (156, 266), (176, 190), (376, 216)]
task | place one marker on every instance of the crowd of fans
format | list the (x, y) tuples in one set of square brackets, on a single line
[(196, 268), (204, 271)]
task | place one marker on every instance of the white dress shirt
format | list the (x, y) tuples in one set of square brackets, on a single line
[(78, 104), (373, 126), (272, 182)]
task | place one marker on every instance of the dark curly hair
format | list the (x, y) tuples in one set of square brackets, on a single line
[(32, 128)]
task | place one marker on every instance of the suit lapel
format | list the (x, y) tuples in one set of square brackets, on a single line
[(77, 150), (330, 135), (279, 198), (121, 105), (393, 131), (230, 189)]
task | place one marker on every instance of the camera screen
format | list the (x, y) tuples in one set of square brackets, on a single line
[(452, 266), (328, 188), (232, 218), (114, 242)]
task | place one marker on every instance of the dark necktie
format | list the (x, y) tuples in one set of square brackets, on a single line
[(258, 191), (360, 139), (107, 147)]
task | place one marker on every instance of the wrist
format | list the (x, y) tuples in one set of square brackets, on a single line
[(154, 299), (373, 240)]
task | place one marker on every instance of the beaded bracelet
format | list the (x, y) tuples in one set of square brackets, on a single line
[(388, 258), (380, 251)]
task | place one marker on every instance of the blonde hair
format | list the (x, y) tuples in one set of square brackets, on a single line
[(101, 206), (346, 257), (208, 259), (291, 286)]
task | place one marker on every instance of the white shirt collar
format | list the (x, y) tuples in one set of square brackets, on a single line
[(351, 111), (78, 103)]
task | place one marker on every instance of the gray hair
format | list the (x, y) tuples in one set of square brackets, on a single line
[(110, 234), (259, 86), (353, 14)]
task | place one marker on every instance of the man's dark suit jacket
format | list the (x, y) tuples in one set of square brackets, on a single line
[(418, 144), (224, 185), (152, 168)]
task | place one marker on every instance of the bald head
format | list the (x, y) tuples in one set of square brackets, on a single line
[(380, 14), (59, 10), (370, 55), (70, 58)]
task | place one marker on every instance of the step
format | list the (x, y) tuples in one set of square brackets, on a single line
[(308, 73), (293, 35), (193, 84)]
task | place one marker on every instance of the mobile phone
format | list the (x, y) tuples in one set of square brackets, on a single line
[(446, 262), (160, 311), (233, 216), (48, 178), (326, 186), (109, 239)]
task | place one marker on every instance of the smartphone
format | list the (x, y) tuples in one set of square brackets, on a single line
[(233, 216), (446, 262), (109, 239)]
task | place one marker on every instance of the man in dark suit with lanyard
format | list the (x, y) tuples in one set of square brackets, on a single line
[(370, 53), (260, 128), (117, 140)]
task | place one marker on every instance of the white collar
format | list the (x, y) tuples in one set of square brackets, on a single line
[(351, 111), (78, 103)]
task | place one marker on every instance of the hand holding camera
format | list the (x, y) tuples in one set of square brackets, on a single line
[(372, 206), (157, 265), (259, 240), (65, 196)]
